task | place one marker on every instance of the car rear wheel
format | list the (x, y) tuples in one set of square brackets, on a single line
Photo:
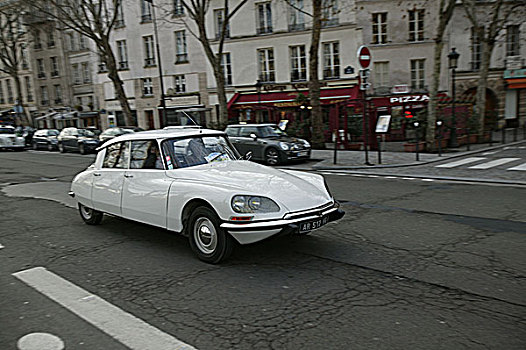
[(211, 243), (82, 150), (272, 156), (50, 146), (90, 216), (61, 148), (34, 145)]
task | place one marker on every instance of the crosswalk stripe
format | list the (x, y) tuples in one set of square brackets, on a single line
[(519, 167), (493, 163), (460, 162)]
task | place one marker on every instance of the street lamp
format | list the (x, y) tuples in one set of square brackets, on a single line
[(258, 89), (453, 62), (439, 126), (159, 65)]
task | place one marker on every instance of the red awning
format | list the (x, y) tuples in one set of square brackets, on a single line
[(287, 99), (516, 83)]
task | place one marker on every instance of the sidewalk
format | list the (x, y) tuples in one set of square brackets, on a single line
[(356, 159)]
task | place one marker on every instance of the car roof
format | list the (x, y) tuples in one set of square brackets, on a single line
[(241, 125), (162, 134), (7, 127)]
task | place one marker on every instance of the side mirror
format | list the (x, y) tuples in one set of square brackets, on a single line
[(248, 155), (254, 136)]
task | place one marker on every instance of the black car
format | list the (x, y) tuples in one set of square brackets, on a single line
[(45, 138), (77, 140), (268, 143), (110, 133)]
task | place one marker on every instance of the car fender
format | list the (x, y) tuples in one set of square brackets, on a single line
[(81, 186)]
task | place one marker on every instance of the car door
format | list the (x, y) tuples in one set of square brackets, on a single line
[(249, 144), (146, 186), (106, 194)]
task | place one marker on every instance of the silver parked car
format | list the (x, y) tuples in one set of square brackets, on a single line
[(10, 140)]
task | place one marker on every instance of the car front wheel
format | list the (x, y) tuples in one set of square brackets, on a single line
[(35, 146), (82, 150), (90, 216), (272, 156), (211, 243), (50, 146), (61, 148)]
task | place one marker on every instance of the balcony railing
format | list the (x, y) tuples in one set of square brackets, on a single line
[(264, 30), (294, 27), (181, 58), (146, 18), (267, 77), (122, 65), (54, 73), (331, 73), (148, 62), (58, 101), (41, 75), (298, 75), (44, 102)]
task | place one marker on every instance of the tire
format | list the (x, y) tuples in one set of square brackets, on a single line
[(272, 156), (34, 145), (50, 146), (209, 242), (61, 148), (82, 149), (90, 216)]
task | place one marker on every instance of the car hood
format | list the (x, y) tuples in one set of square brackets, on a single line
[(287, 139), (248, 178)]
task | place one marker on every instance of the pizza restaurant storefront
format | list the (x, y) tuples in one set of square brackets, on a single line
[(273, 106)]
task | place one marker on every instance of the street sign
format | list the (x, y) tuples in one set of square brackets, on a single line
[(348, 70), (364, 56), (364, 79)]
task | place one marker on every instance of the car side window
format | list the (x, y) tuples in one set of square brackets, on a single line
[(246, 131), (233, 131), (145, 155), (116, 156)]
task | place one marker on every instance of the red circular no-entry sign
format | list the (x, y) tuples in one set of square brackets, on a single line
[(364, 56)]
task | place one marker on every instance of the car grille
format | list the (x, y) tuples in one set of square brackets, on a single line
[(306, 213)]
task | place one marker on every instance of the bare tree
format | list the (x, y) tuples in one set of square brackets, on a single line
[(12, 41), (197, 11), (94, 19), (488, 19), (445, 12), (318, 140)]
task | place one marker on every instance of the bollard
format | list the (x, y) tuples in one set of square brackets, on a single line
[(503, 135), (379, 142), (514, 134), (467, 140)]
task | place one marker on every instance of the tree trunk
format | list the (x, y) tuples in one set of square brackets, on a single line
[(318, 139), (485, 59), (113, 74), (25, 117)]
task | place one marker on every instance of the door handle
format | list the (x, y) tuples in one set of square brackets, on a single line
[(127, 176), (96, 174)]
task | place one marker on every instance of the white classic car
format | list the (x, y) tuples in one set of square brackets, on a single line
[(192, 181), (10, 140)]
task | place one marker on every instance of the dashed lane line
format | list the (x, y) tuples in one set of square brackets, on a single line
[(518, 167), (124, 327)]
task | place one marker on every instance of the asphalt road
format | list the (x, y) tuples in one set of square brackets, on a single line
[(413, 265)]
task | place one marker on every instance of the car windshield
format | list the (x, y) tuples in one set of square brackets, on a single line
[(84, 132), (7, 131), (271, 131), (52, 132), (192, 151)]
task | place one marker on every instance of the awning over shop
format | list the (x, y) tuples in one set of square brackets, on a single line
[(63, 116), (88, 114), (6, 110), (194, 108), (46, 116), (516, 83), (288, 98)]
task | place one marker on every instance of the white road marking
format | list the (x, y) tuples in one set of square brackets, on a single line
[(460, 162), (493, 163), (428, 180), (2, 246), (40, 341), (518, 167), (408, 178), (124, 327), (391, 177), (489, 153)]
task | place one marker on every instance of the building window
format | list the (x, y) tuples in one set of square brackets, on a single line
[(178, 8), (146, 11), (29, 89), (417, 74), (58, 94), (41, 72), (72, 42), (51, 38), (296, 16), (416, 25), (102, 65), (76, 74), (512, 40), (2, 100), (119, 20), (329, 13), (181, 53), (266, 65), (82, 42), (227, 68), (54, 66), (44, 97), (25, 64), (149, 53), (298, 63), (475, 50), (331, 60), (180, 83), (37, 44), (122, 54), (380, 28), (147, 87), (9, 89), (86, 73), (381, 74), (264, 21), (219, 16)]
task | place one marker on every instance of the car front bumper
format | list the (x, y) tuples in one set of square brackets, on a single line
[(246, 233), (296, 155)]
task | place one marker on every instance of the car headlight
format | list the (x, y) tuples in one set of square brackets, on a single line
[(53, 140), (284, 146), (306, 143), (253, 204)]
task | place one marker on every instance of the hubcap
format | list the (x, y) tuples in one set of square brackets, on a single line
[(205, 235), (86, 212), (272, 157)]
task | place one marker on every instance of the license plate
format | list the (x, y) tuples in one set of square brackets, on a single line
[(313, 224), (303, 153)]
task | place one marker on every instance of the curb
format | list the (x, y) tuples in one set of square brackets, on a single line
[(456, 155)]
